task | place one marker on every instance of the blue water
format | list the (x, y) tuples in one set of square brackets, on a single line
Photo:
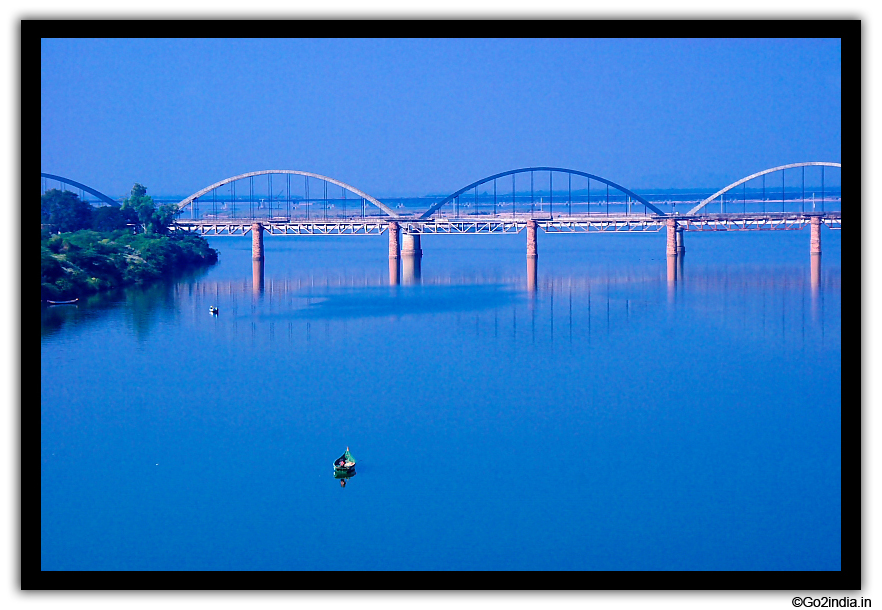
[(610, 419)]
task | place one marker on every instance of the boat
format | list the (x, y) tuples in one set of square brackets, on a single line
[(212, 309), (344, 466), (62, 302)]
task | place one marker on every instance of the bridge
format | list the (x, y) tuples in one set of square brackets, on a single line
[(64, 182), (302, 206)]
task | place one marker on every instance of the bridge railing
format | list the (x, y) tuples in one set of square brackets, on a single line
[(351, 210)]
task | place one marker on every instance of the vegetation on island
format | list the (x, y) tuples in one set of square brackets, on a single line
[(86, 249)]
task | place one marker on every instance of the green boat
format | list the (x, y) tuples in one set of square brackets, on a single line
[(344, 466)]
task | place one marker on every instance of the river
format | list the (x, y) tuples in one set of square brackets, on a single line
[(603, 418)]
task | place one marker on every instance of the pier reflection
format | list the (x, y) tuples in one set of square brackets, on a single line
[(815, 282), (257, 277), (671, 277), (815, 273), (532, 274), (591, 305), (596, 300), (394, 271), (411, 270)]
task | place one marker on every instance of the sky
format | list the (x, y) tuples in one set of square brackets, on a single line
[(418, 117)]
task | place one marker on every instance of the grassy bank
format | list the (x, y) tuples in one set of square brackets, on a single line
[(82, 262)]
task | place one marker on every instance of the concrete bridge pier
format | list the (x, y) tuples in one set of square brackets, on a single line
[(671, 247), (674, 256), (393, 240), (394, 255), (410, 245), (815, 244), (532, 249), (257, 242), (257, 258), (411, 258), (815, 254)]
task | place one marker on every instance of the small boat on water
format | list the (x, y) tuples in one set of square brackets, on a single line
[(63, 302), (212, 309), (344, 466)]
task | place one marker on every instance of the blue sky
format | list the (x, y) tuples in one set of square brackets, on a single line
[(418, 117)]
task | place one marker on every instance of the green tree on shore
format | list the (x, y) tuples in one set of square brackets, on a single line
[(155, 220), (110, 218), (65, 211)]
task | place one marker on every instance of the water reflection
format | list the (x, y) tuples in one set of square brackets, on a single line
[(257, 277), (411, 258), (815, 273), (674, 275), (770, 301), (532, 274), (671, 278), (142, 306), (411, 269), (815, 284), (394, 271), (589, 307)]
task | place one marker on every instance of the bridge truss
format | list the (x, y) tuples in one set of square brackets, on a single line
[(562, 224), (473, 220)]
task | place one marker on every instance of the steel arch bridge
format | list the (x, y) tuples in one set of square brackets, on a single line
[(195, 196), (723, 191), (562, 170), (98, 194)]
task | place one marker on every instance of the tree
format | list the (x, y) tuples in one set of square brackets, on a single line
[(110, 218), (140, 205), (163, 217), (143, 207), (50, 268), (65, 211)]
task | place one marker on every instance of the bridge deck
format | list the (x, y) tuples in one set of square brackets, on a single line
[(585, 223)]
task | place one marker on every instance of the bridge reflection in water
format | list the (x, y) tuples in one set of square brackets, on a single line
[(786, 303), (551, 308)]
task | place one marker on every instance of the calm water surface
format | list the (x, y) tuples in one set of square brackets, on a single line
[(608, 419)]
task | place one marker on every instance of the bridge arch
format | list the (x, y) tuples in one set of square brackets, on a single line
[(562, 170), (98, 194), (723, 191), (189, 200)]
